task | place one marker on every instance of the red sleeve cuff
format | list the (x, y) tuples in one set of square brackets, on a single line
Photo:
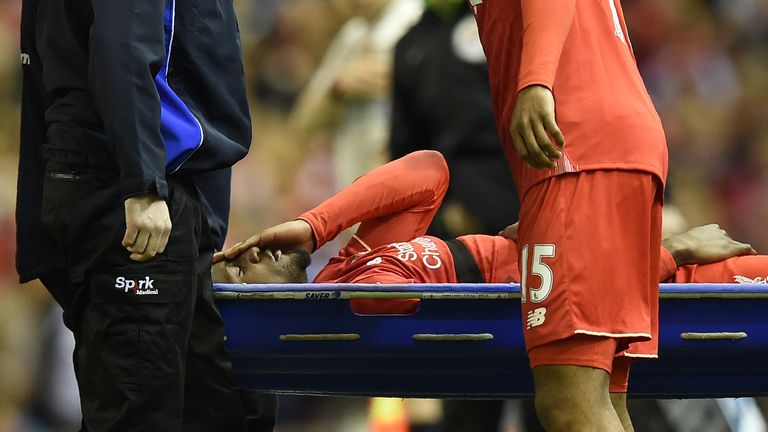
[(307, 217), (667, 265)]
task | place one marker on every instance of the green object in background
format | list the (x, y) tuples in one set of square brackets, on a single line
[(446, 9)]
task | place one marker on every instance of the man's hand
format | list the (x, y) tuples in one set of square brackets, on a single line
[(703, 245), (533, 122), (148, 226), (510, 232), (293, 234)]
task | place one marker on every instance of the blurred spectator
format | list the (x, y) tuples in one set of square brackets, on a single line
[(704, 63), (56, 403), (18, 367), (441, 101), (347, 97)]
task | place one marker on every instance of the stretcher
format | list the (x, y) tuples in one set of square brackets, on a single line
[(465, 341)]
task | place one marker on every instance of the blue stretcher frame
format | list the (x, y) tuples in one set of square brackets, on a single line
[(466, 341)]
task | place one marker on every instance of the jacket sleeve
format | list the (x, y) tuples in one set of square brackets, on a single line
[(546, 25), (394, 202), (127, 43)]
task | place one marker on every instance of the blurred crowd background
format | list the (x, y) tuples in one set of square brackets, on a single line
[(705, 63)]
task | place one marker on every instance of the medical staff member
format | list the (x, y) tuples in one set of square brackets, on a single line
[(145, 113)]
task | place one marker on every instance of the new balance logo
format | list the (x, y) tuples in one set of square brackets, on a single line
[(136, 286), (536, 317)]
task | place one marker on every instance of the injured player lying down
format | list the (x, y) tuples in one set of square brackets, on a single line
[(395, 204)]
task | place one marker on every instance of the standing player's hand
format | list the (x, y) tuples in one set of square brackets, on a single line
[(533, 127), (147, 226)]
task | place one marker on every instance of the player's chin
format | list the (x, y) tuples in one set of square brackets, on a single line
[(299, 257)]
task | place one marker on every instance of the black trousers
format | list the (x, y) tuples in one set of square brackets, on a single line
[(149, 350)]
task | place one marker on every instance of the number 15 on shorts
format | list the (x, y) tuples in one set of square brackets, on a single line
[(538, 268)]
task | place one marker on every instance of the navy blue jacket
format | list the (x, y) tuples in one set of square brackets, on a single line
[(145, 88)]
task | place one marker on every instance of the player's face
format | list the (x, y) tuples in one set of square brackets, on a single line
[(260, 267)]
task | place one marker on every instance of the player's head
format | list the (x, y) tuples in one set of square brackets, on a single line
[(257, 267)]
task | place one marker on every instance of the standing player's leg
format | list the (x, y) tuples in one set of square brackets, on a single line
[(619, 402), (618, 389), (589, 287), (571, 379)]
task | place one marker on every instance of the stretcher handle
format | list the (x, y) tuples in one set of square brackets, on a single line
[(713, 336), (320, 337), (452, 337)]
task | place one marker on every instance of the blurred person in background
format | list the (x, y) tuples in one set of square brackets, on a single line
[(348, 97), (441, 101), (135, 139)]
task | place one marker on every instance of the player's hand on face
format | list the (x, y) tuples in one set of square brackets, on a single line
[(533, 127), (287, 235), (296, 234), (148, 226), (703, 245), (510, 232), (238, 249)]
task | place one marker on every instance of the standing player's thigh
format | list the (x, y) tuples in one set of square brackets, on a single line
[(589, 245)]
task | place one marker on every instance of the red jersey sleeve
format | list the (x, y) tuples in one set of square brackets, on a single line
[(741, 269), (394, 202), (546, 25), (667, 266)]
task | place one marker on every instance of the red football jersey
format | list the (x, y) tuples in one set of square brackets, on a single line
[(580, 50)]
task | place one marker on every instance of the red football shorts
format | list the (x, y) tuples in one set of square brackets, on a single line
[(589, 260)]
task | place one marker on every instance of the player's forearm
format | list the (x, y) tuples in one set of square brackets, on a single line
[(399, 186), (546, 25)]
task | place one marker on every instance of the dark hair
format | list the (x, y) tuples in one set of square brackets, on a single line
[(296, 270)]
